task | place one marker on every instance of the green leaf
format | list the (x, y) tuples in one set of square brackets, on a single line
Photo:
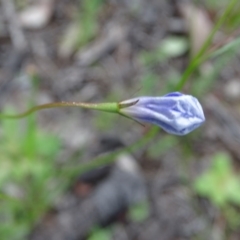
[(139, 212), (219, 183), (100, 234)]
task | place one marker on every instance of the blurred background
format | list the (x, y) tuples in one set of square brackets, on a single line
[(72, 174)]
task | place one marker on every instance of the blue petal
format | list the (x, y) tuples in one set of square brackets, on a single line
[(168, 128), (173, 94), (175, 112)]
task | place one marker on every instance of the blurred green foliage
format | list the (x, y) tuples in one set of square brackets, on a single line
[(27, 176), (170, 47), (139, 212), (86, 21), (82, 28), (215, 4), (221, 184), (162, 145), (101, 234)]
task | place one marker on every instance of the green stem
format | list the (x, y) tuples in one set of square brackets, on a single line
[(109, 158), (196, 62), (106, 107)]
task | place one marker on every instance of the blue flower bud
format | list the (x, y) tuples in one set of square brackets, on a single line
[(175, 112)]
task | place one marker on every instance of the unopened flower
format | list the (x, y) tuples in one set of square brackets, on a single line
[(175, 112)]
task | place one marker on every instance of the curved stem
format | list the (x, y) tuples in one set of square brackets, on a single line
[(106, 107)]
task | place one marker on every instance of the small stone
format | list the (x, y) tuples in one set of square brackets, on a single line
[(37, 16), (232, 90)]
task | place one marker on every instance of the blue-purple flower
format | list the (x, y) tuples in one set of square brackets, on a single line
[(175, 112)]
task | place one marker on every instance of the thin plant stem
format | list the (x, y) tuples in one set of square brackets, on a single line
[(106, 107), (110, 157), (196, 62)]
